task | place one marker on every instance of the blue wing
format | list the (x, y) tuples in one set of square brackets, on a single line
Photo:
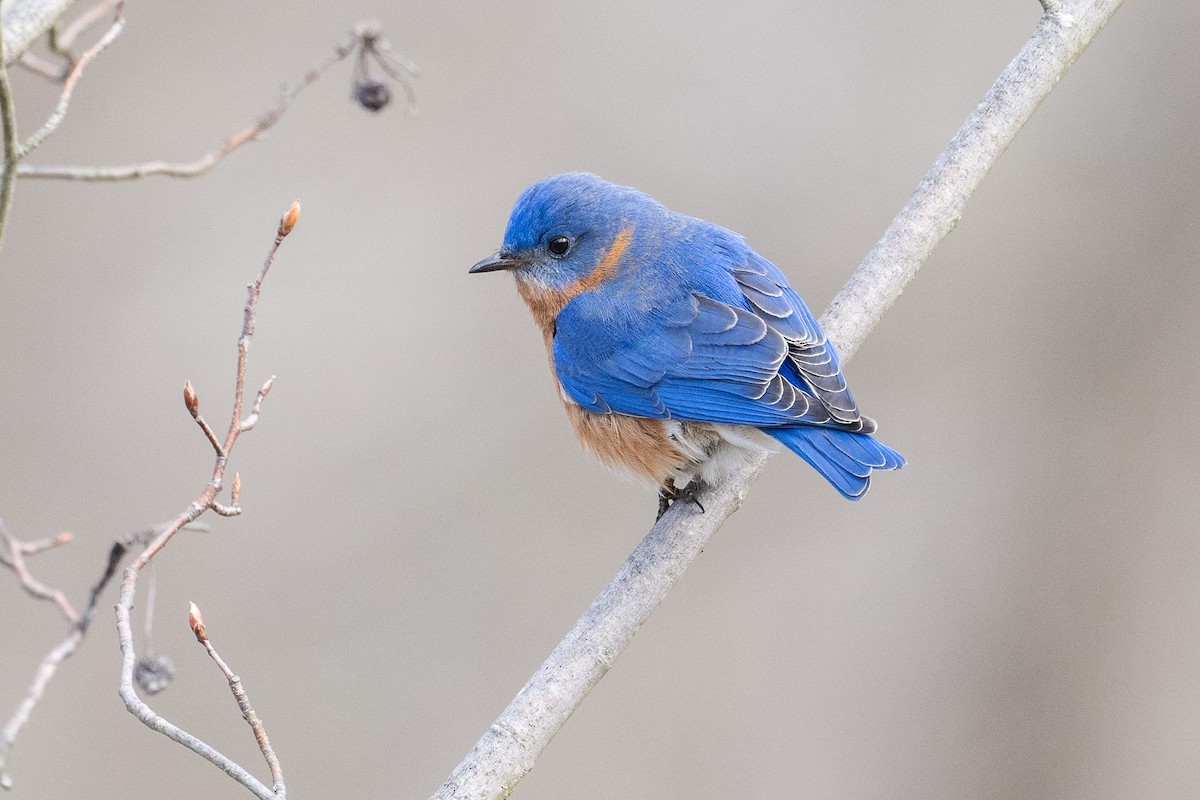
[(702, 360), (766, 292), (694, 358)]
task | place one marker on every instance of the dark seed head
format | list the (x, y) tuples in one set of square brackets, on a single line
[(372, 94), (153, 673)]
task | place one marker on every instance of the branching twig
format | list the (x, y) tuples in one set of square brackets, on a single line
[(62, 43), (205, 502), (64, 99), (13, 150), (202, 165), (196, 621), (40, 545), (250, 421), (50, 70), (11, 553), (506, 752)]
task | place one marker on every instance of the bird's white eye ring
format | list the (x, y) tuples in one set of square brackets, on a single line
[(558, 246)]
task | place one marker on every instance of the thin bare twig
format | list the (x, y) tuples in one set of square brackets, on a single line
[(36, 546), (13, 553), (192, 403), (225, 510), (202, 165), (45, 672), (508, 749), (250, 421), (13, 557), (62, 43), (64, 99), (19, 14), (55, 71), (196, 621), (206, 501), (78, 629)]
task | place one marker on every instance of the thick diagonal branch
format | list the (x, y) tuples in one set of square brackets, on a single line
[(507, 751)]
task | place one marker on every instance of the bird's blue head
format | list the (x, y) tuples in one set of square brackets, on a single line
[(571, 229)]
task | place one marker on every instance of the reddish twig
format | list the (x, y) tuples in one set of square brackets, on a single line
[(196, 622), (77, 68), (49, 543), (202, 165), (14, 151), (12, 555), (61, 43), (206, 501), (50, 70), (192, 403)]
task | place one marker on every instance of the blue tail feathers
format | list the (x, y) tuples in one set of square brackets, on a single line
[(844, 459)]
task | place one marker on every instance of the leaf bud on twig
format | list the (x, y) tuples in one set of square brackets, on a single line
[(191, 400), (196, 623), (289, 219)]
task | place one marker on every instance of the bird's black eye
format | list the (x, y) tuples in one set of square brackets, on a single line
[(558, 246)]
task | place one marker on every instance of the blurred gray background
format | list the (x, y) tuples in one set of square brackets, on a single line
[(1012, 616)]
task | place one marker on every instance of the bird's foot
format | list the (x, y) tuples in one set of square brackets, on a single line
[(669, 494), (664, 503)]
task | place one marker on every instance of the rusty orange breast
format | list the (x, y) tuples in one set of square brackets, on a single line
[(637, 444), (545, 302)]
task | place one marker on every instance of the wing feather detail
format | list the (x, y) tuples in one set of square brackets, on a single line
[(709, 362), (768, 294)]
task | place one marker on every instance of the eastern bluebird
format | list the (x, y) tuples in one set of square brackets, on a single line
[(675, 345)]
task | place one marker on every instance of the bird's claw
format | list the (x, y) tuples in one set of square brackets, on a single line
[(669, 494)]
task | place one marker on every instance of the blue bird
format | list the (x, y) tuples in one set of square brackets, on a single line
[(676, 346)]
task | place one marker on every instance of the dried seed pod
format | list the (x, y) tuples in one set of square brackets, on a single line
[(152, 674), (372, 94)]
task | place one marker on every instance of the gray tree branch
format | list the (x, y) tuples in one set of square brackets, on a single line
[(508, 749), (23, 21)]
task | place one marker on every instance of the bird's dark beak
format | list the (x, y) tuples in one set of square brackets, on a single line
[(497, 261)]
